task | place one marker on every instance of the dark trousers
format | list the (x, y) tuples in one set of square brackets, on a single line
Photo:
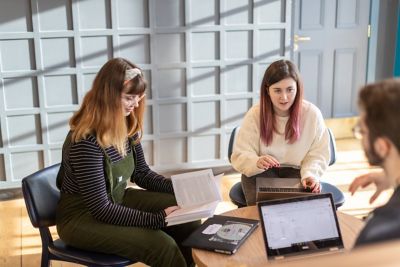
[(157, 248), (249, 183)]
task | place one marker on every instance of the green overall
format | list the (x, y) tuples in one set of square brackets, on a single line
[(77, 227)]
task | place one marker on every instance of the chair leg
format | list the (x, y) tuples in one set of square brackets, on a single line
[(45, 259), (46, 237)]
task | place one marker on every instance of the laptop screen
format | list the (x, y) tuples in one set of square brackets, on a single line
[(301, 224)]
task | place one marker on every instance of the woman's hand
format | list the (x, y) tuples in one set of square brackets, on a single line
[(266, 162), (171, 209), (378, 178), (313, 184)]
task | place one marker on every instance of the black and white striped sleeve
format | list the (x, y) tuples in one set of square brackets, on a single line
[(87, 163), (148, 179)]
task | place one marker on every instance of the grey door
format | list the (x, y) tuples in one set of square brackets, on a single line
[(331, 42)]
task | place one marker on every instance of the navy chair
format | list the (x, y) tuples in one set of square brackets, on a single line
[(41, 197), (236, 193)]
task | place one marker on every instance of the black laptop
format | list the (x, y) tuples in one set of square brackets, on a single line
[(300, 225)]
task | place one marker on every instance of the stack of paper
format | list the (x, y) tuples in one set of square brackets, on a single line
[(197, 194)]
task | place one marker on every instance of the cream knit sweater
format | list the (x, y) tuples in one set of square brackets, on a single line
[(310, 153)]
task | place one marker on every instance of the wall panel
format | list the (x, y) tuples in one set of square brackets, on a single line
[(203, 61)]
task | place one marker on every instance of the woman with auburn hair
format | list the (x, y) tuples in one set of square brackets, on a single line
[(282, 136), (102, 151)]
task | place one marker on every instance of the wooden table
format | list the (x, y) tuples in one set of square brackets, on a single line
[(253, 252)]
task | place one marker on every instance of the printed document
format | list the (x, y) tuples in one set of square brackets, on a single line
[(197, 194)]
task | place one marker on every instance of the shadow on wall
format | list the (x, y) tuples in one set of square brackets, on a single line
[(191, 80), (15, 14)]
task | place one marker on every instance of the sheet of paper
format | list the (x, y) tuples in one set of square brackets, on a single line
[(195, 188), (211, 229), (191, 214), (193, 209), (218, 182)]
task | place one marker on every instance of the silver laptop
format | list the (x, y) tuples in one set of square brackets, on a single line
[(301, 225), (277, 188)]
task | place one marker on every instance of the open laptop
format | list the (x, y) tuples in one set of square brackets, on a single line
[(299, 226), (276, 188)]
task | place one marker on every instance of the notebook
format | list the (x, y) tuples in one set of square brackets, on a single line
[(222, 234), (277, 188), (299, 226)]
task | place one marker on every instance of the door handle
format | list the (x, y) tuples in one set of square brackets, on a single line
[(298, 38)]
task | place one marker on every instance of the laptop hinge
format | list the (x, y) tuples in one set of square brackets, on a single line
[(334, 249)]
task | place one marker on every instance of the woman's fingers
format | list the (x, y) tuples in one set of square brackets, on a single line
[(171, 209), (313, 184), (263, 163), (273, 161), (309, 182), (317, 188), (267, 161)]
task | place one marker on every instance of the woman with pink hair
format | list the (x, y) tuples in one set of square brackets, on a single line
[(283, 135)]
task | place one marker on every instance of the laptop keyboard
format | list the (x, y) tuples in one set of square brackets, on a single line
[(282, 190)]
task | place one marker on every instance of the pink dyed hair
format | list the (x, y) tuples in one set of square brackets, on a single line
[(276, 72)]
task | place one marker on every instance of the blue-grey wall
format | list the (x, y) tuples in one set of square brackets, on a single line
[(204, 60)]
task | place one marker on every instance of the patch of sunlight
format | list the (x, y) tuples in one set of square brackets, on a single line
[(31, 251), (225, 206)]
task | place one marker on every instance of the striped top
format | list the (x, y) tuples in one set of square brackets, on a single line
[(84, 165)]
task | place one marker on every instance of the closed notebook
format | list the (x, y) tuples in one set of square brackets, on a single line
[(222, 234)]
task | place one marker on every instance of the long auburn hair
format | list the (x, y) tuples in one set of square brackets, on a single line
[(102, 113), (276, 72)]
